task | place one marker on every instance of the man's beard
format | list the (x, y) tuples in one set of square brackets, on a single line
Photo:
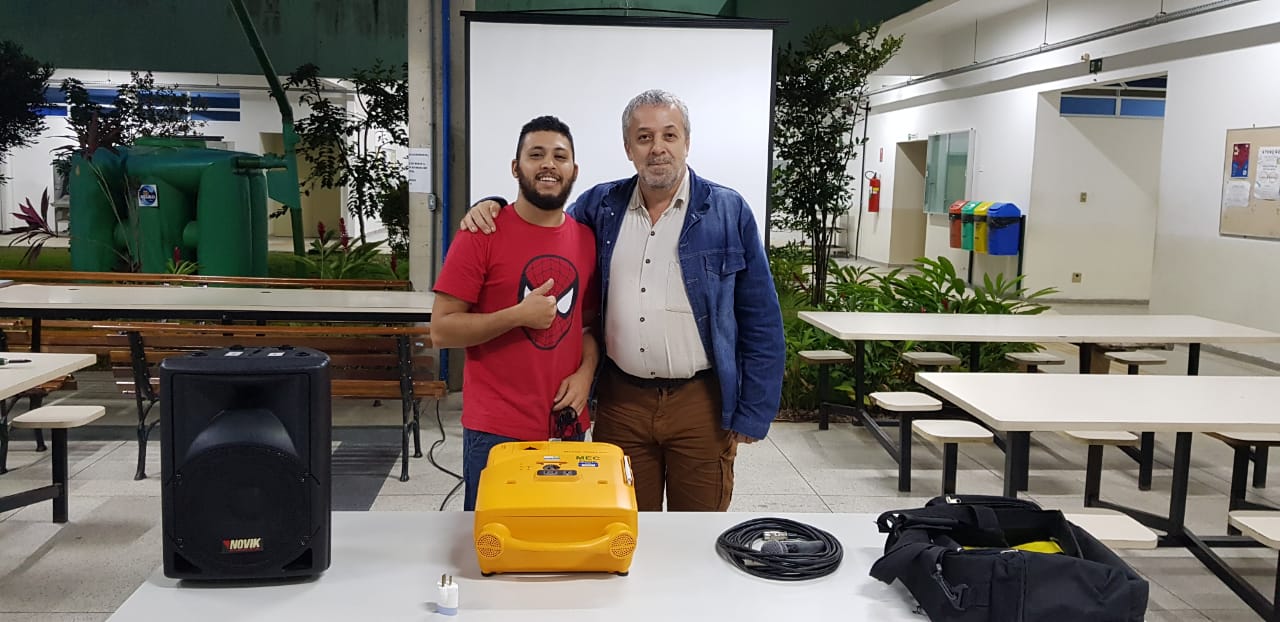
[(550, 203), (660, 181)]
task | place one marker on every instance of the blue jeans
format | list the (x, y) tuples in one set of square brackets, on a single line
[(475, 455)]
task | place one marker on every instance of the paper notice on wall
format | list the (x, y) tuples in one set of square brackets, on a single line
[(1236, 194), (1267, 184), (419, 172)]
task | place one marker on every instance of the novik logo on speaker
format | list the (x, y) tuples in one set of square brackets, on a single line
[(242, 545)]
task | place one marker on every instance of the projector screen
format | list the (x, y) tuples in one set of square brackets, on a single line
[(586, 72)]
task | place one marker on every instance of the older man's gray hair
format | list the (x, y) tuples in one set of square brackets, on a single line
[(653, 97)]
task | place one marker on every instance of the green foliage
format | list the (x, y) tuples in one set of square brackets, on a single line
[(22, 84), (334, 255), (395, 215), (820, 101), (177, 265), (931, 287), (37, 230), (358, 149), (183, 267), (140, 108)]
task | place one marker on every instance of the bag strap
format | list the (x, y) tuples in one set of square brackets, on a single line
[(906, 559), (937, 518)]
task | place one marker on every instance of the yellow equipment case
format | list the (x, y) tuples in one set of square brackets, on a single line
[(556, 506)]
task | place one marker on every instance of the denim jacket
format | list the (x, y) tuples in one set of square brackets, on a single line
[(726, 275)]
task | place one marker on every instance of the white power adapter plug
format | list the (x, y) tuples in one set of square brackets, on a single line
[(447, 601)]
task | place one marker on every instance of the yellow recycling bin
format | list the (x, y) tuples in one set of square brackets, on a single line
[(980, 226)]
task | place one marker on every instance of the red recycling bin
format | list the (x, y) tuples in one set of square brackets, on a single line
[(953, 216)]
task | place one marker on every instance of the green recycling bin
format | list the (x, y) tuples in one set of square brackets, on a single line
[(966, 225)]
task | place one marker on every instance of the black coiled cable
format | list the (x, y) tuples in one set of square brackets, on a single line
[(735, 546)]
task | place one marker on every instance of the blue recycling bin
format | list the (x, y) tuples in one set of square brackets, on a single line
[(1004, 227)]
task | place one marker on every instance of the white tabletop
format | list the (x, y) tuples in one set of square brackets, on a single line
[(1033, 328), (73, 300), (1056, 402), (385, 565), (18, 377)]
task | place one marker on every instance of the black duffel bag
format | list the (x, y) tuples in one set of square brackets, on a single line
[(971, 558)]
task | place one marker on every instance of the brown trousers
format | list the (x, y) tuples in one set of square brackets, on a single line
[(674, 440)]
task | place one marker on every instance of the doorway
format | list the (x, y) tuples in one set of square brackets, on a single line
[(908, 222)]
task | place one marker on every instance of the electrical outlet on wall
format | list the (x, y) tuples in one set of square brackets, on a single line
[(1076, 277)]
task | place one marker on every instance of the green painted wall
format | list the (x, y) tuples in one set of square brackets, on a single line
[(204, 36), (802, 15)]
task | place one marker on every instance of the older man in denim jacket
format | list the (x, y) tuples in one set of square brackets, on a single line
[(693, 329)]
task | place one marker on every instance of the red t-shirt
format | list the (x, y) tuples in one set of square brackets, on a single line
[(510, 382)]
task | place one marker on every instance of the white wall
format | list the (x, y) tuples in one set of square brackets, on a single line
[(1000, 161), (30, 173), (1198, 271), (1110, 238), (1212, 64)]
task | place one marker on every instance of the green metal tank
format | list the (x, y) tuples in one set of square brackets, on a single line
[(208, 204), (98, 195)]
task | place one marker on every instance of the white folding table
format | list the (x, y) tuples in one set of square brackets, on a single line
[(1019, 404), (386, 564), (101, 302), (18, 377), (975, 329)]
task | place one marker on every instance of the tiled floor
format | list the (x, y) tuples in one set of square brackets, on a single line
[(84, 569)]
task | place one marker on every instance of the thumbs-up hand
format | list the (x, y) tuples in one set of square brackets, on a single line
[(538, 309)]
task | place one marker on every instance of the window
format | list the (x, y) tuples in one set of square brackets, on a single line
[(946, 170), (1132, 98)]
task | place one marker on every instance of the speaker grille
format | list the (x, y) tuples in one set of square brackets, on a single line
[(246, 507), (622, 546), (488, 545)]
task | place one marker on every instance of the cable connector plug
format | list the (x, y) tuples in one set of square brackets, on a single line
[(447, 601)]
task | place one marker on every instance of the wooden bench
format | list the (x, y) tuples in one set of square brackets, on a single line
[(368, 362), (59, 419)]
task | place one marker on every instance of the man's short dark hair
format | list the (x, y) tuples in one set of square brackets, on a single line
[(546, 123)]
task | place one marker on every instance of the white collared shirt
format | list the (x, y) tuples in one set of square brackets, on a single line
[(650, 330)]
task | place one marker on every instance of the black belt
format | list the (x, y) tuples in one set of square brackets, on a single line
[(655, 383)]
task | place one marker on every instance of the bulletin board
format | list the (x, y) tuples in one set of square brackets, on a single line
[(1251, 184)]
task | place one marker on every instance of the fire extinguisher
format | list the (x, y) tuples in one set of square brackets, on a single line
[(873, 200)]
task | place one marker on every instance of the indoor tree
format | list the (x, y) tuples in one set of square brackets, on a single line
[(140, 108), (359, 148), (22, 84), (819, 102)]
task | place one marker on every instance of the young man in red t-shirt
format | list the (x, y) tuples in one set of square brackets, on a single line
[(522, 302)]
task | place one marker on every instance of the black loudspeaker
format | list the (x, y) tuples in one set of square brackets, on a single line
[(245, 453)]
